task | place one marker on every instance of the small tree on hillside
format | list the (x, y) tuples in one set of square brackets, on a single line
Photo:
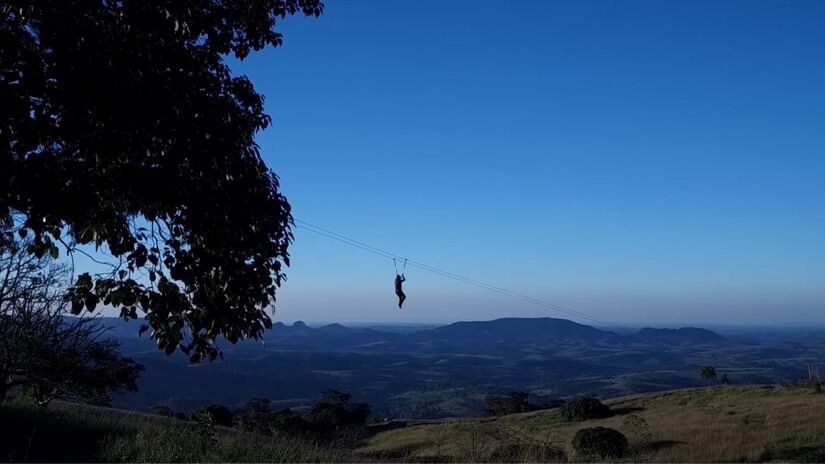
[(44, 352), (74, 365), (217, 413), (255, 415), (289, 422), (708, 374), (724, 380), (28, 289), (601, 442), (334, 409)]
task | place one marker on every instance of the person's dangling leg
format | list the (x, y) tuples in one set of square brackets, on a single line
[(401, 298)]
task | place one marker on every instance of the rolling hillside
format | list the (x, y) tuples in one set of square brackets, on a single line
[(718, 424)]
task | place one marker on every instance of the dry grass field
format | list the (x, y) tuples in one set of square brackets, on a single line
[(717, 424)]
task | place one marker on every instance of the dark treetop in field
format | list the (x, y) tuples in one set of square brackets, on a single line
[(121, 126)]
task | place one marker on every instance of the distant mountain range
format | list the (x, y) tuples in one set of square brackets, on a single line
[(511, 330), (516, 330), (447, 370)]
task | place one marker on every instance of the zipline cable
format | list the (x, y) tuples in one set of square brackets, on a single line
[(383, 253), (450, 275)]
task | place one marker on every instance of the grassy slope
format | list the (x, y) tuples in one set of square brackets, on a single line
[(784, 423), (696, 425), (79, 433)]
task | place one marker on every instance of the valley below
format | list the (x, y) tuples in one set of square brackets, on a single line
[(447, 371)]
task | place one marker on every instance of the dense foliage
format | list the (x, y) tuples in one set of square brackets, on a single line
[(601, 442), (584, 408), (255, 415), (122, 128), (216, 413), (333, 413), (334, 410)]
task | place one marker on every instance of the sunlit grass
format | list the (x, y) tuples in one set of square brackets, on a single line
[(697, 425)]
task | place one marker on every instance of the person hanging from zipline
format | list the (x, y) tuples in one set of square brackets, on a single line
[(399, 280)]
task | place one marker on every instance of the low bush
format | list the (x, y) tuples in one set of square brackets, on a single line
[(601, 442), (217, 413), (584, 408)]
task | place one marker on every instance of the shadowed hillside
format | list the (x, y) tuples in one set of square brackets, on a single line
[(81, 433)]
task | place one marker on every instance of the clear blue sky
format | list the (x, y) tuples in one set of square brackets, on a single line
[(646, 162)]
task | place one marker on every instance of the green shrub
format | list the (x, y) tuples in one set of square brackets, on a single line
[(601, 442), (584, 408), (218, 413)]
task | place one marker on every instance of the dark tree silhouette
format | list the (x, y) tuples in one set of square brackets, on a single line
[(44, 352), (724, 380), (255, 415), (334, 409), (74, 364), (217, 413), (122, 127), (600, 442), (708, 374), (334, 416), (27, 291)]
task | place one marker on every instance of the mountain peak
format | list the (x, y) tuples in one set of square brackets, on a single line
[(680, 335), (523, 329)]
